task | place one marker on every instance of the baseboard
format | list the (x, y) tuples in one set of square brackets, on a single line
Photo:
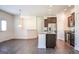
[(4, 40), (26, 38), (18, 38)]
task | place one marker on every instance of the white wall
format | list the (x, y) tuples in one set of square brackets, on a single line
[(60, 26), (40, 23), (9, 34), (29, 27), (77, 28)]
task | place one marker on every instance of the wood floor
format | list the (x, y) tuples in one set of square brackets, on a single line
[(29, 46)]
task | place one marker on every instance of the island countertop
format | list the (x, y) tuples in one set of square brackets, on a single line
[(47, 33)]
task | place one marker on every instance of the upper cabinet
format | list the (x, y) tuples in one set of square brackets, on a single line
[(73, 17), (45, 23), (71, 20), (49, 20)]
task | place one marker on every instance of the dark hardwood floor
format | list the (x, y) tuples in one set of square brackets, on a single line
[(29, 46)]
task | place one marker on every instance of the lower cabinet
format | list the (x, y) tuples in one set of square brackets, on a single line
[(70, 38), (50, 40), (46, 40)]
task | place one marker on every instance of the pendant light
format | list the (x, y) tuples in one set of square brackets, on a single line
[(21, 18)]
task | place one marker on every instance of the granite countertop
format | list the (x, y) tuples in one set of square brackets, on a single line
[(68, 32)]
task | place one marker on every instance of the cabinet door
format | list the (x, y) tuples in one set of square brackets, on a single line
[(72, 39), (71, 20), (50, 40), (52, 20), (73, 17), (45, 23)]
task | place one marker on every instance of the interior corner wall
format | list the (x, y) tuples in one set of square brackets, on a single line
[(9, 34)]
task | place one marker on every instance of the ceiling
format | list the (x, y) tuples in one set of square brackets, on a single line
[(34, 10)]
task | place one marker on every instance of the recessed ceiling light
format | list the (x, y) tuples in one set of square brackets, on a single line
[(19, 25)]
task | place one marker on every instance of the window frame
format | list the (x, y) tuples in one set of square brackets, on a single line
[(1, 19)]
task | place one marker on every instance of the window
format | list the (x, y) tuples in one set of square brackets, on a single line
[(3, 25)]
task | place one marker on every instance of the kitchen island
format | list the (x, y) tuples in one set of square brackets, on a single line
[(46, 40)]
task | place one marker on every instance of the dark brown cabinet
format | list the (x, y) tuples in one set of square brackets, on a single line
[(49, 20), (50, 40), (45, 23), (69, 38), (71, 20), (72, 39), (73, 17)]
